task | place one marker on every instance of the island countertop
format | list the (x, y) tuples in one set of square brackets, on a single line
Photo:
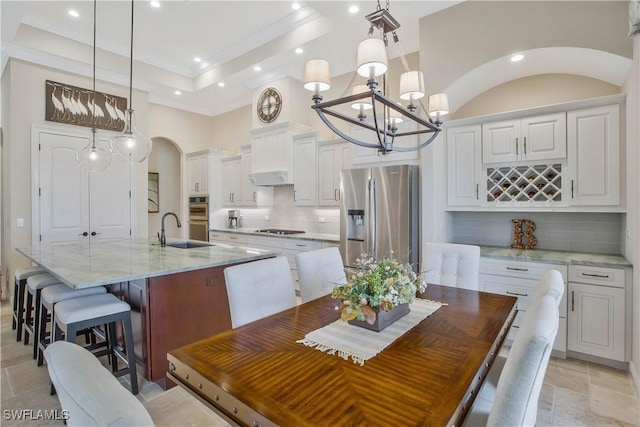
[(104, 262)]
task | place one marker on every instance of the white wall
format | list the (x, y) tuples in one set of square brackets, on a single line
[(165, 159)]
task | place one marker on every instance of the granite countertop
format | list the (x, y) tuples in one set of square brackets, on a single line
[(322, 237), (102, 262), (555, 257)]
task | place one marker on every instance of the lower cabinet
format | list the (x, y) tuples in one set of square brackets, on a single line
[(597, 312), (520, 279)]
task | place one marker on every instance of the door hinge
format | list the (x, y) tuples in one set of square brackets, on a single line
[(129, 193), (40, 237), (39, 147), (39, 191), (129, 232)]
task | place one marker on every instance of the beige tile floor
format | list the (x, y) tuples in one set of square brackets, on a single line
[(575, 393)]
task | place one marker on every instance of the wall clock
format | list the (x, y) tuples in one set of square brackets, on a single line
[(269, 105)]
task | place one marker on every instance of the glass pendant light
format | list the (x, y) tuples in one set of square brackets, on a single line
[(93, 157), (130, 146)]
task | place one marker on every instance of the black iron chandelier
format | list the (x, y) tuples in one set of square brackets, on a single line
[(386, 113)]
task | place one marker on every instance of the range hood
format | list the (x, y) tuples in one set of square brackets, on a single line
[(270, 178)]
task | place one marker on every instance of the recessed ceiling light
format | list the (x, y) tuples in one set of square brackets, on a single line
[(221, 84), (299, 50), (74, 13), (295, 5), (257, 68), (516, 58), (177, 92), (155, 3), (196, 59), (354, 9)]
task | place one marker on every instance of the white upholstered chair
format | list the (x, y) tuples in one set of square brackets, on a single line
[(452, 264), (259, 289), (550, 288), (318, 272)]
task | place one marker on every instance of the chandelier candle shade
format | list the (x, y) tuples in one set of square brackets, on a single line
[(130, 146), (93, 157), (386, 114)]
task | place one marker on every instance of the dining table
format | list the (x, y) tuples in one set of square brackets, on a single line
[(260, 374)]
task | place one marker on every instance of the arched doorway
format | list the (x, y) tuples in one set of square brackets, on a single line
[(165, 160)]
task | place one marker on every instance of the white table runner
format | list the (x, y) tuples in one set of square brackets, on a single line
[(345, 340)]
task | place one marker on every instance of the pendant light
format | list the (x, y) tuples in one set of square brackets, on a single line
[(93, 157), (130, 146)]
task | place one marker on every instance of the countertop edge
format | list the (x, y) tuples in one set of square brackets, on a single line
[(555, 257), (319, 237)]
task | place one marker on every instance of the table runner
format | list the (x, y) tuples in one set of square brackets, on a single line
[(345, 340)]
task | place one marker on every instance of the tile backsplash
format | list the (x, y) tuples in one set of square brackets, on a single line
[(286, 215), (566, 231)]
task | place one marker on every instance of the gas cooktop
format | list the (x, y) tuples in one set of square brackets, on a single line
[(278, 231)]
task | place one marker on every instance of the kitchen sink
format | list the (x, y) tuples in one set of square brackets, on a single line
[(189, 245)]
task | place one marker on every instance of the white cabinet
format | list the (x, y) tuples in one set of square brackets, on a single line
[(232, 239), (530, 138), (198, 173), (232, 181), (520, 279), (594, 155), (252, 195), (305, 187), (464, 172), (333, 156), (597, 312)]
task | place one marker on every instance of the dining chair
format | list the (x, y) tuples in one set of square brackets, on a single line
[(551, 283), (318, 272), (259, 289), (452, 264)]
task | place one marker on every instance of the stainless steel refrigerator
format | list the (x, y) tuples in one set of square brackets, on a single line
[(379, 214)]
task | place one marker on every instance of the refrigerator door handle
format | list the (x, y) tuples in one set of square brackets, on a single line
[(373, 217)]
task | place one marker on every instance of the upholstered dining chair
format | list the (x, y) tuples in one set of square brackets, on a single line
[(318, 272), (259, 289), (552, 283), (452, 264)]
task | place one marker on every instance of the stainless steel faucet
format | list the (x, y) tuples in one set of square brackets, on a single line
[(163, 239)]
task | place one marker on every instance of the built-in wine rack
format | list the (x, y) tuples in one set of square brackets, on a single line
[(536, 183)]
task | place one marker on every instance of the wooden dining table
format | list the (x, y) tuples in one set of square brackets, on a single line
[(259, 375)]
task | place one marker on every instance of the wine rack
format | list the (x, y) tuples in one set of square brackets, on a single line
[(536, 183)]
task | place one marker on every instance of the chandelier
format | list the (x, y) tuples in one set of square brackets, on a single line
[(93, 157), (386, 113), (130, 145)]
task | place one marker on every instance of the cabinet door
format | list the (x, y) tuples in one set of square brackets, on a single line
[(249, 191), (500, 141), (231, 181), (544, 137), (596, 320), (331, 160), (593, 137), (463, 166), (203, 179), (305, 179)]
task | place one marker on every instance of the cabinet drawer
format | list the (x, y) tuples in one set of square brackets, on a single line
[(523, 289), (265, 241), (523, 269), (614, 277), (230, 238), (302, 244)]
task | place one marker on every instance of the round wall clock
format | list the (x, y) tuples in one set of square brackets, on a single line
[(269, 105)]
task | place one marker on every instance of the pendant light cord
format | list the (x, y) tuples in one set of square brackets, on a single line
[(131, 63), (93, 122)]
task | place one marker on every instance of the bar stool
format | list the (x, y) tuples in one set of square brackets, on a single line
[(22, 274), (77, 314), (35, 285), (50, 296)]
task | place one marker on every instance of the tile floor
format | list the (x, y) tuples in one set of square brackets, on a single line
[(575, 393)]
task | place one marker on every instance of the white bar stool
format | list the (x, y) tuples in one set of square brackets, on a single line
[(106, 309), (50, 296), (21, 276), (35, 285)]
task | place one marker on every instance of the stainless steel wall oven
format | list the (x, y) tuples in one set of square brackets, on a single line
[(199, 218)]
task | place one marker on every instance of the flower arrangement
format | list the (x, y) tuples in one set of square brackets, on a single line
[(377, 283)]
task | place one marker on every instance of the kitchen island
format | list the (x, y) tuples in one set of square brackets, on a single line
[(177, 296)]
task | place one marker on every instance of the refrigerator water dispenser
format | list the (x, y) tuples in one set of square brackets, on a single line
[(355, 225)]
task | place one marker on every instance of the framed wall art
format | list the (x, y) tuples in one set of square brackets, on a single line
[(74, 106), (154, 192)]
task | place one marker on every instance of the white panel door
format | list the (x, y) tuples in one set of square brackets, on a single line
[(75, 204), (63, 188), (463, 166), (500, 141), (544, 137)]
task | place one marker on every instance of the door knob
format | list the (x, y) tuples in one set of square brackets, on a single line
[(93, 233), (85, 234)]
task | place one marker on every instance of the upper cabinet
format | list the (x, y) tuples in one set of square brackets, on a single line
[(527, 139), (198, 173), (232, 181), (464, 175), (333, 156), (305, 190), (594, 155), (567, 159)]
